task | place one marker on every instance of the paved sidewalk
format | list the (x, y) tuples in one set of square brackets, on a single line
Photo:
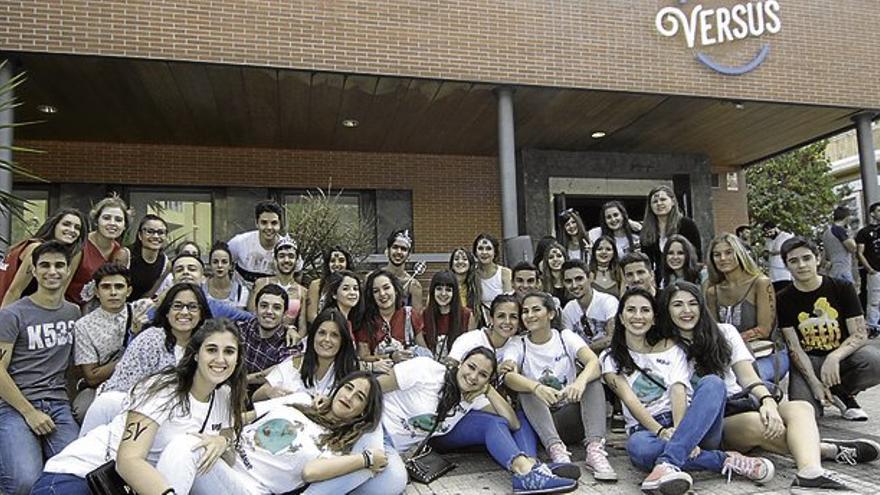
[(477, 473)]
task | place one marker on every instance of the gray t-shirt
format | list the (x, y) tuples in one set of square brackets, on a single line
[(42, 347)]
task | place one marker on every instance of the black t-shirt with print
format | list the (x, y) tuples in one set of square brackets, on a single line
[(819, 316)]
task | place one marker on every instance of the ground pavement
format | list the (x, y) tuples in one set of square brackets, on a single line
[(477, 473)]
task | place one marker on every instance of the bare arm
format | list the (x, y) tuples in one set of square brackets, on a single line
[(858, 337), (765, 300), (131, 459), (850, 245), (678, 397), (312, 298), (600, 344), (96, 375), (39, 423), (415, 291), (499, 406), (860, 254), (331, 467), (22, 277), (122, 257), (506, 280), (591, 365)]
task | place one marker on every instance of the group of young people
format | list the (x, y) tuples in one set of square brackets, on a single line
[(242, 379)]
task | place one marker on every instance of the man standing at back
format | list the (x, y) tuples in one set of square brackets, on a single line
[(839, 246), (774, 237), (868, 253), (253, 251), (36, 344)]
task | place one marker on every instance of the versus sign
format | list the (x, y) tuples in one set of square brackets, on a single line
[(704, 27)]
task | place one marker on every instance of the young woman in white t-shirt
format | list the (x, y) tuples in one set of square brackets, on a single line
[(787, 428), (201, 397), (329, 357), (650, 375), (420, 392), (334, 443), (557, 397)]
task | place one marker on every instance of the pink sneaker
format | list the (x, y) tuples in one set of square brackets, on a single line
[(559, 454), (668, 480), (758, 469), (597, 462)]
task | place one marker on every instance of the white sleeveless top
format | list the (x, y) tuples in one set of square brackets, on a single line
[(491, 287)]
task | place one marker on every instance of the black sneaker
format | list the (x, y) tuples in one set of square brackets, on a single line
[(828, 480), (856, 451), (565, 470)]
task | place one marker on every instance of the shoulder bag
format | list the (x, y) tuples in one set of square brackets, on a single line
[(423, 464)]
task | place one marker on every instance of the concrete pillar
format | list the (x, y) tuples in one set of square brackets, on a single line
[(507, 162), (6, 118), (867, 159)]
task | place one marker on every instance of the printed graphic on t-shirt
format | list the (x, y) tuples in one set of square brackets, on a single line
[(646, 390), (549, 379), (422, 424), (278, 435), (821, 329), (51, 334)]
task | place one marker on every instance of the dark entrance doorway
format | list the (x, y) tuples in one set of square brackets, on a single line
[(589, 207)]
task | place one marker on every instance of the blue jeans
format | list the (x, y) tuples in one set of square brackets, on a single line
[(22, 452), (766, 366), (702, 425), (60, 484), (493, 432)]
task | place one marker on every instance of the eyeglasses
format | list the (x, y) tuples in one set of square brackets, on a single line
[(191, 307), (158, 232)]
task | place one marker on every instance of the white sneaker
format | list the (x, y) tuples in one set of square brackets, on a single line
[(597, 462)]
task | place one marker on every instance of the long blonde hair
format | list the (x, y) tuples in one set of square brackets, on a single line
[(743, 258)]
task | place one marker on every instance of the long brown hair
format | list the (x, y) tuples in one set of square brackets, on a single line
[(341, 435)]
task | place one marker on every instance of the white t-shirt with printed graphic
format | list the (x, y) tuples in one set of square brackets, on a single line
[(275, 448), (553, 363), (466, 342), (668, 367), (603, 307), (738, 352), (410, 411), (287, 377), (85, 454)]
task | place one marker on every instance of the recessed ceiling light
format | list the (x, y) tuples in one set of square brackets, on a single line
[(598, 135), (350, 123), (47, 109)]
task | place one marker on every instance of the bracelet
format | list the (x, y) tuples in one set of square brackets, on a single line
[(768, 396), (535, 388), (660, 431), (368, 459), (169, 491)]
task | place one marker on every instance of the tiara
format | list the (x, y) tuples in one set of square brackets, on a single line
[(285, 241), (404, 237)]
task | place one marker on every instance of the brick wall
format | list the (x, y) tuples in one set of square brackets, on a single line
[(598, 44), (731, 207), (454, 197)]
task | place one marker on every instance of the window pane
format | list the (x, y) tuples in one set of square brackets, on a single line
[(189, 215), (36, 211), (349, 204)]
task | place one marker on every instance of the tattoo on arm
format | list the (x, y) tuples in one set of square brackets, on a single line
[(133, 430)]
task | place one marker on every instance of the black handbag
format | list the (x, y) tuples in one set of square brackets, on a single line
[(423, 464), (104, 480), (426, 466)]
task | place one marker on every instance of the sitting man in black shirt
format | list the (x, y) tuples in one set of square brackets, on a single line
[(825, 330)]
